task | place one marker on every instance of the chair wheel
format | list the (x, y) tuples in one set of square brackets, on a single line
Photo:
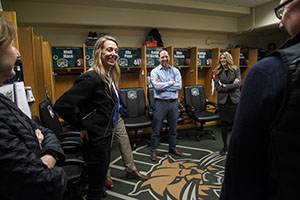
[(134, 146), (212, 135)]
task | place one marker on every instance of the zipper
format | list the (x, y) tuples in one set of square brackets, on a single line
[(109, 95), (111, 115), (89, 114)]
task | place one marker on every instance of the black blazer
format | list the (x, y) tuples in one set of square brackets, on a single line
[(232, 90), (88, 105)]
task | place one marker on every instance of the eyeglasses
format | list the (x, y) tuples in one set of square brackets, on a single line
[(280, 9)]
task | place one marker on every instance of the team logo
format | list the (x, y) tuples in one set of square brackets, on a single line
[(123, 62), (131, 94), (195, 91), (184, 179), (62, 62)]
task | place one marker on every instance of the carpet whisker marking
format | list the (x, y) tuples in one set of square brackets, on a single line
[(144, 154), (117, 167), (167, 151), (144, 163), (123, 181), (118, 195), (190, 148)]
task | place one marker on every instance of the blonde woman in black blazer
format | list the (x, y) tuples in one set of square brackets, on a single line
[(228, 82), (89, 105)]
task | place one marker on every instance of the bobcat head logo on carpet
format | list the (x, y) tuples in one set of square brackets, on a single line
[(184, 179)]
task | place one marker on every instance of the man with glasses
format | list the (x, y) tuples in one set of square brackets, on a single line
[(263, 160)]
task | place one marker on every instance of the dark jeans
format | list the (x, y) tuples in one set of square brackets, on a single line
[(162, 110), (97, 166)]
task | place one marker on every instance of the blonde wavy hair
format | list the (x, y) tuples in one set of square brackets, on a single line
[(7, 33), (97, 62), (232, 68)]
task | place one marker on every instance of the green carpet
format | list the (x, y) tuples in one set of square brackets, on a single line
[(197, 175)]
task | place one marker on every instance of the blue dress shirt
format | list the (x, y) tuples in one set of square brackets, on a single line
[(165, 89)]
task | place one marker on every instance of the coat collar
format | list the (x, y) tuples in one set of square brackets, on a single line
[(16, 112)]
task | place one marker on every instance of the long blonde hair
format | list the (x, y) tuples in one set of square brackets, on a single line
[(7, 33), (97, 62), (232, 68)]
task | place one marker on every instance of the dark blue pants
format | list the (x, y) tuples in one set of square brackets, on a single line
[(164, 110)]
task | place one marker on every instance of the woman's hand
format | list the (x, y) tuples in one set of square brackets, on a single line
[(221, 84), (83, 134), (39, 136), (236, 80)]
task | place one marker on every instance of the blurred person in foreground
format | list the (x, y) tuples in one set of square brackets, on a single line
[(28, 152), (263, 160)]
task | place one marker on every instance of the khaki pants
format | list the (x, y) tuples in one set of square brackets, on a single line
[(121, 137)]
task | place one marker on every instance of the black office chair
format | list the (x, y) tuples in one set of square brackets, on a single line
[(134, 100), (196, 104), (165, 122), (76, 171), (74, 166), (70, 147), (50, 120)]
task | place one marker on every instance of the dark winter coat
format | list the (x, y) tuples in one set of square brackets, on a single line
[(23, 174), (252, 170)]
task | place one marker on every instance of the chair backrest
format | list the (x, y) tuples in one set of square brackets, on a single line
[(194, 95), (49, 117), (134, 100)]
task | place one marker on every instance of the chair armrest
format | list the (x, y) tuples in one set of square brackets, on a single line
[(71, 147), (78, 163), (180, 109), (213, 104), (150, 111), (68, 134), (70, 144), (189, 109), (74, 161)]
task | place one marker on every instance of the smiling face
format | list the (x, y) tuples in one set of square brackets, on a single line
[(9, 53), (109, 54), (223, 60), (164, 58), (8, 57)]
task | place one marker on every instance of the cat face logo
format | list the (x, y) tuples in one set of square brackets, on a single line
[(195, 91), (184, 179), (131, 95)]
